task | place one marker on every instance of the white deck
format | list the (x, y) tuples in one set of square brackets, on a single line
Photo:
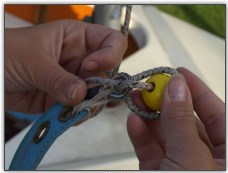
[(102, 143)]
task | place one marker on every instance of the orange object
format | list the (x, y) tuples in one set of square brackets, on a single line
[(56, 12), (46, 13), (26, 12)]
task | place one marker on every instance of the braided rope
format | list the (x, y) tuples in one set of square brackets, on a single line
[(125, 29), (100, 100), (144, 114), (109, 86), (125, 32), (150, 72), (132, 83), (115, 83)]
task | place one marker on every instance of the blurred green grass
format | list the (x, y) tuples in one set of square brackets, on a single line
[(209, 17)]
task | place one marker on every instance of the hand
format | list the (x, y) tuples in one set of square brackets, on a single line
[(180, 140), (47, 63)]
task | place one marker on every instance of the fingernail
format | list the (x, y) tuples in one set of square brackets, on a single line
[(91, 65), (177, 87), (72, 91)]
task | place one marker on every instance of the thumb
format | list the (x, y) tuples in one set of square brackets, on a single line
[(63, 86), (183, 144)]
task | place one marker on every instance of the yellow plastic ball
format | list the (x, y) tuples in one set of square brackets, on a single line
[(153, 99)]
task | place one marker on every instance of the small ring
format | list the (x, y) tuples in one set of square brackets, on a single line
[(41, 132), (121, 94), (66, 114)]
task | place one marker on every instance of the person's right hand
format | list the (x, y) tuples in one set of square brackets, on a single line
[(180, 140), (47, 63)]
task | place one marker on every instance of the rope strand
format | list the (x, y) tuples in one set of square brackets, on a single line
[(118, 84), (125, 29)]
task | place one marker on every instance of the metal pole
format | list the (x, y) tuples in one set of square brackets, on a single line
[(108, 15)]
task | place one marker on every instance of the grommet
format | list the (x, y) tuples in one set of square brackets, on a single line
[(123, 93), (66, 114), (153, 98), (41, 132)]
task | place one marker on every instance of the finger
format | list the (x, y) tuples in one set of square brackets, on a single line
[(209, 108), (146, 147), (219, 152), (71, 67), (154, 126), (65, 87), (97, 47), (156, 129), (183, 144), (221, 164), (202, 133), (136, 97), (107, 48)]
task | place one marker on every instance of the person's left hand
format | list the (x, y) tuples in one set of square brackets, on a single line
[(180, 140), (46, 63)]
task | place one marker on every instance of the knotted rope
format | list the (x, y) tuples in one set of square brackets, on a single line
[(122, 83)]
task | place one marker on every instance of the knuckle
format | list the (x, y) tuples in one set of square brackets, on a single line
[(110, 62), (54, 82), (57, 82)]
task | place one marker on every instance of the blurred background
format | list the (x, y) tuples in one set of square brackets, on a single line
[(209, 17), (192, 36)]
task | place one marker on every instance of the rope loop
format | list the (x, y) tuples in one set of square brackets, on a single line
[(121, 85)]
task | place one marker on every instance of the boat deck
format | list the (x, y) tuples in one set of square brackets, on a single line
[(102, 143)]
